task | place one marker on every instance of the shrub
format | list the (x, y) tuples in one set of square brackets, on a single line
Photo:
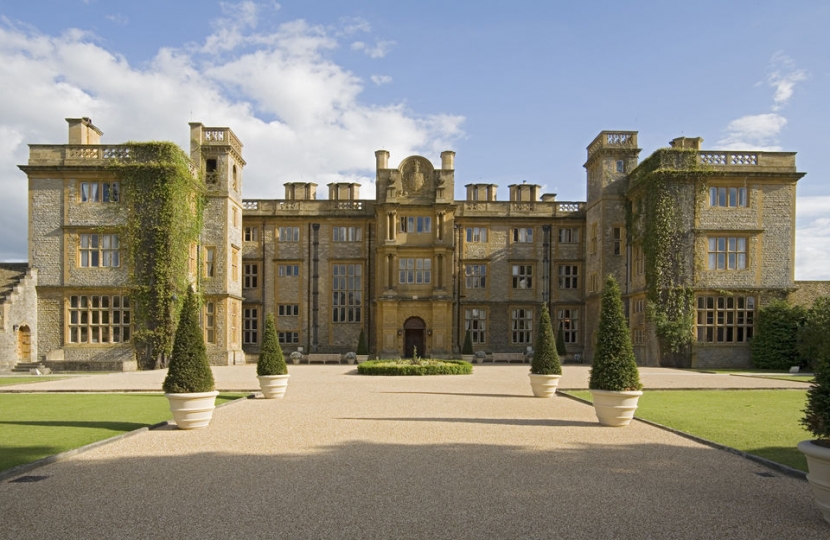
[(545, 358), (561, 349), (775, 344), (468, 343), (614, 367), (407, 367), (189, 370), (271, 359), (362, 349), (813, 339)]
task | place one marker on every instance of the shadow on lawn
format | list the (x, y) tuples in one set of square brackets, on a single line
[(112, 426)]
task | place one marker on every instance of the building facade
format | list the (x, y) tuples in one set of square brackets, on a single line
[(415, 269)]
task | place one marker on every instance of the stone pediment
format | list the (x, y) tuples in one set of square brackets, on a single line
[(417, 177)]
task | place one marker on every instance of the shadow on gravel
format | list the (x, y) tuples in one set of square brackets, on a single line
[(463, 394), (492, 421), (360, 489)]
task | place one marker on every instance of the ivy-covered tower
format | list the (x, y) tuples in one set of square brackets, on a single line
[(218, 258), (611, 156)]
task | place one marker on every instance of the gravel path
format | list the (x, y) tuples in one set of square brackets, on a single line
[(345, 456)]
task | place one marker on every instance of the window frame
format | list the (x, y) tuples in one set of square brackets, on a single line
[(522, 272), (107, 316)]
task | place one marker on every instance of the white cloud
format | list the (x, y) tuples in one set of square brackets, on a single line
[(783, 78), (753, 132), (381, 79), (812, 238), (298, 113), (380, 49), (120, 20)]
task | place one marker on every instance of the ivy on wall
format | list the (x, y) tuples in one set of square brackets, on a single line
[(164, 205), (661, 226)]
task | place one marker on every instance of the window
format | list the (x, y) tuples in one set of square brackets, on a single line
[(289, 234), (234, 264), (288, 270), (475, 320), (521, 326), (593, 242), (250, 326), (211, 173), (250, 234), (415, 270), (476, 276), (639, 261), (288, 337), (100, 250), (620, 165), (235, 179), (522, 276), (593, 283), (638, 336), (234, 322), (727, 253), (639, 305), (568, 277), (476, 234), (347, 292), (235, 212), (523, 235), (727, 196), (569, 236), (210, 262), (100, 192), (209, 319), (99, 319), (725, 319), (192, 256), (288, 310), (569, 323), (416, 224), (347, 234), (251, 275), (617, 232)]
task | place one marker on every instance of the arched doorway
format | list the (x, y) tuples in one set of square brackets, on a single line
[(24, 344), (414, 331)]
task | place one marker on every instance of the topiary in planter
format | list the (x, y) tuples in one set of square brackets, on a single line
[(189, 370), (561, 349), (545, 358), (817, 411), (362, 349), (271, 360), (467, 348), (614, 367)]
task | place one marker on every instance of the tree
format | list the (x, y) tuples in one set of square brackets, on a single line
[(189, 370), (271, 360), (614, 367), (813, 339), (775, 344), (467, 348), (561, 349), (545, 358), (362, 349)]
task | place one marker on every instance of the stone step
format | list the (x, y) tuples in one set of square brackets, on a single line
[(26, 367)]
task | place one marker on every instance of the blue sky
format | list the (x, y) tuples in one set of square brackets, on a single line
[(518, 89)]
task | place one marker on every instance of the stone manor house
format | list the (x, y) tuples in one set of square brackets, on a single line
[(413, 267)]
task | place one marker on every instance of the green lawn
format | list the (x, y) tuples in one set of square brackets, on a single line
[(8, 381), (760, 422), (34, 426)]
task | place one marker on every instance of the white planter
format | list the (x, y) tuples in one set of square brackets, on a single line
[(818, 464), (362, 358), (192, 411), (467, 358), (544, 385), (615, 409), (273, 386)]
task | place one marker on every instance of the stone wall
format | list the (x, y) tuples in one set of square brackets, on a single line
[(18, 313)]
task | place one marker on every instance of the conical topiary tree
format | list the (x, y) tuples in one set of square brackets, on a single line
[(614, 367), (817, 410), (189, 370), (545, 358), (467, 348), (561, 349), (271, 359), (362, 349)]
